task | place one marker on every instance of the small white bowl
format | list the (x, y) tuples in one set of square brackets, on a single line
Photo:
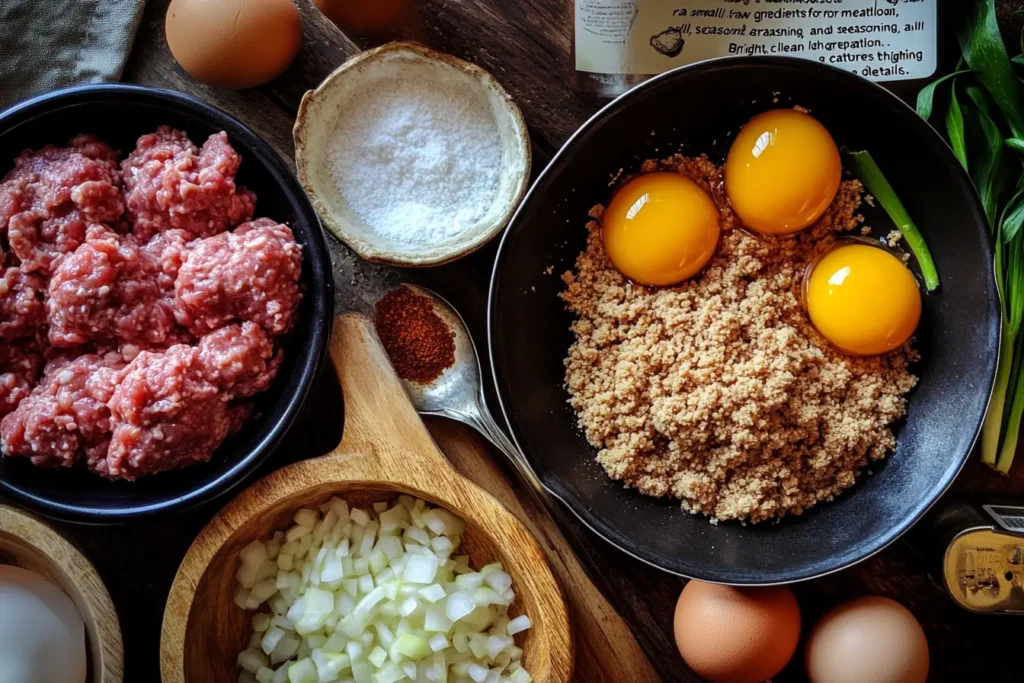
[(321, 108)]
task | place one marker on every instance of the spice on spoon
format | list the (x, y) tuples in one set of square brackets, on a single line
[(420, 344)]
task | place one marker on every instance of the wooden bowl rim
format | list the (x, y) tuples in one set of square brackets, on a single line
[(270, 491), (97, 608)]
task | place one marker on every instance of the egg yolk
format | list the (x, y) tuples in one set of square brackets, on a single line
[(863, 299), (660, 228), (782, 172)]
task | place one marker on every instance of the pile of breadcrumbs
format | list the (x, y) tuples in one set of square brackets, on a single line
[(718, 391)]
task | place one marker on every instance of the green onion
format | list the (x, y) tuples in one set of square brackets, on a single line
[(1013, 419), (984, 130), (991, 429), (982, 46), (927, 94), (865, 168), (955, 128)]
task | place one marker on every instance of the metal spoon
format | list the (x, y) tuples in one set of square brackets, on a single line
[(458, 393)]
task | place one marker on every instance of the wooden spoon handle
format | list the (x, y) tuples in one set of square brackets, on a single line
[(384, 438)]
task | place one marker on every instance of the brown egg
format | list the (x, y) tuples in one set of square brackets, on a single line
[(868, 639), (736, 635), (233, 43), (365, 17)]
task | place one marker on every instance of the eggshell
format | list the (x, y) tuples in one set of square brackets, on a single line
[(868, 639), (736, 635), (233, 43), (42, 636)]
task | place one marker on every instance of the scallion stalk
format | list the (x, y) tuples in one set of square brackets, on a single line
[(993, 124), (1011, 437), (865, 168), (992, 428)]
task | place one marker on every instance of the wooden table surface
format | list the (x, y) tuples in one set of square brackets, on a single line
[(526, 45)]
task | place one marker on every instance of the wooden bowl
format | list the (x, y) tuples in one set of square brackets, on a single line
[(386, 450), (30, 544)]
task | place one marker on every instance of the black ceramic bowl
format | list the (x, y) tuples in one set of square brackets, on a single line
[(699, 109), (118, 114)]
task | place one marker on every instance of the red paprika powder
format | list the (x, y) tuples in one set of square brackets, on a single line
[(420, 344)]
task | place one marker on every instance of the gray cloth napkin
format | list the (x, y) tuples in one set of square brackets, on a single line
[(48, 44)]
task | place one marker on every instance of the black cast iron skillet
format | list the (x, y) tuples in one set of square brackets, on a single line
[(118, 115), (698, 109)]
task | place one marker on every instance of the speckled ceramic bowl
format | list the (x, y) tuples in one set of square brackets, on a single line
[(316, 125)]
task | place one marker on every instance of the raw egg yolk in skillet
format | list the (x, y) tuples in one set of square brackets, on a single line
[(863, 299), (660, 228), (782, 172)]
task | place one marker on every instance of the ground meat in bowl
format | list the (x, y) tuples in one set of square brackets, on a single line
[(22, 309), (19, 367), (170, 184), (92, 257), (113, 289), (166, 414), (66, 417), (188, 437), (173, 408), (53, 194), (249, 274), (239, 359)]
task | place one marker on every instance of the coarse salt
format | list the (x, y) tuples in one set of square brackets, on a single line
[(418, 158)]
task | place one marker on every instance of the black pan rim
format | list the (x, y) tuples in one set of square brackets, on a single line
[(321, 313), (594, 522)]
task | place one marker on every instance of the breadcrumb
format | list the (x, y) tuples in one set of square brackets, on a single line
[(718, 391)]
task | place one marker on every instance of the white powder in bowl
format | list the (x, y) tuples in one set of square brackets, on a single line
[(417, 158)]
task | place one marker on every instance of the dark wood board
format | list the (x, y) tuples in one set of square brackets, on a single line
[(526, 45)]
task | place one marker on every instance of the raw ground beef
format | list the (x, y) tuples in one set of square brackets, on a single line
[(188, 437), (166, 414), (22, 309), (170, 184), (239, 360), (66, 416), (238, 413), (53, 194), (112, 289), (250, 274), (159, 395), (19, 368), (171, 409)]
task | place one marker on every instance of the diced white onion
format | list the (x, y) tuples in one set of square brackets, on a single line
[(459, 605), (439, 642), (477, 673), (252, 660), (432, 593), (375, 595), (518, 625), (420, 569)]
